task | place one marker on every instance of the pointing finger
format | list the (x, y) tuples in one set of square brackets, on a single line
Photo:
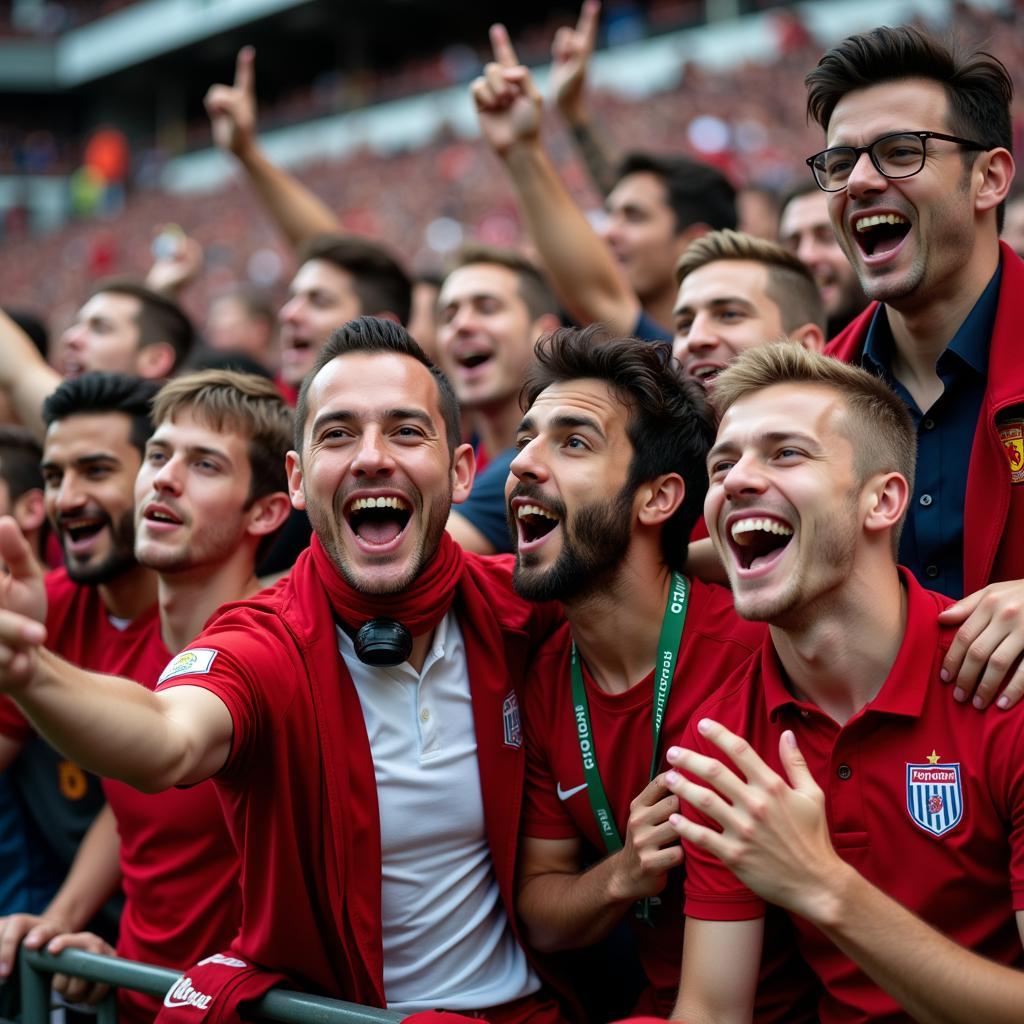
[(501, 43)]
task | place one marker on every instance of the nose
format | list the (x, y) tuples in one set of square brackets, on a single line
[(700, 339), (70, 495), (865, 178), (745, 478), (372, 457), (291, 311), (528, 463), (73, 336), (168, 476)]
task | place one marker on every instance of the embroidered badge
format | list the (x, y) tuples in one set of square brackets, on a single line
[(194, 662), (510, 719), (1012, 436), (935, 797)]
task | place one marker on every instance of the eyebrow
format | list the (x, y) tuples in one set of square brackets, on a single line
[(565, 421), (348, 416), (192, 449), (83, 460), (726, 300), (771, 437)]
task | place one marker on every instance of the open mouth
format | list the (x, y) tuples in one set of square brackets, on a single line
[(758, 541), (79, 531), (159, 514), (378, 521), (535, 523), (705, 373), (877, 234), (472, 360)]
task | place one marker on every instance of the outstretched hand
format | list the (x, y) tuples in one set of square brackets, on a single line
[(22, 607), (570, 55), (508, 103), (232, 108)]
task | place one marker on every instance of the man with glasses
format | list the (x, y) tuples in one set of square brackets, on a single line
[(916, 171)]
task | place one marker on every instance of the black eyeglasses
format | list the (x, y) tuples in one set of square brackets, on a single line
[(900, 155)]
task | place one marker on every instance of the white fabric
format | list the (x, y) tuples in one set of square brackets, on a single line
[(447, 939)]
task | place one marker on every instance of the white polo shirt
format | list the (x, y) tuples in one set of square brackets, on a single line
[(447, 939)]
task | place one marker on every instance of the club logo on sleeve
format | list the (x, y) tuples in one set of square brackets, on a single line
[(510, 720), (935, 797), (1012, 436), (194, 662)]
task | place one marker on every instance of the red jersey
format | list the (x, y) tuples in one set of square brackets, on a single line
[(299, 789), (715, 642), (924, 795)]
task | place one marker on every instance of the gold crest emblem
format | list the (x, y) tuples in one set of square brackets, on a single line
[(1012, 436)]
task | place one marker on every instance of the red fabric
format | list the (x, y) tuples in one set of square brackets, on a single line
[(178, 864), (715, 643), (420, 607), (535, 1009), (994, 505), (214, 991), (966, 882), (299, 790)]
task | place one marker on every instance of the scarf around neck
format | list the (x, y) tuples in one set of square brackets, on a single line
[(420, 607)]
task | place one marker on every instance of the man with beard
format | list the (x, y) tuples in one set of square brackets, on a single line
[(209, 494), (101, 601), (806, 231), (609, 479), (368, 702), (492, 307), (896, 844)]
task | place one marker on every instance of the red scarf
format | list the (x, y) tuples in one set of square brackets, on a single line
[(420, 607)]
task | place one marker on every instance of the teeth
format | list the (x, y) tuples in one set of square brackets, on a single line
[(745, 526), (872, 222), (362, 503), (707, 371), (78, 524), (534, 510)]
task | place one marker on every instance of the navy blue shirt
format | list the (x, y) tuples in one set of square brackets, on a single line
[(485, 506), (932, 544), (647, 329)]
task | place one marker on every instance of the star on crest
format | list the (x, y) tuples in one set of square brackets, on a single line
[(932, 758)]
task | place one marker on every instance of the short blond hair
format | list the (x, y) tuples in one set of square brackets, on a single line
[(790, 285), (242, 402), (878, 423)]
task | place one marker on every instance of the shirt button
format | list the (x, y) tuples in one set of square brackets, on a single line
[(925, 499), (425, 715), (928, 423), (931, 571), (844, 771)]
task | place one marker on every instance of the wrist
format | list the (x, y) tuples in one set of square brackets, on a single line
[(825, 903), (620, 887)]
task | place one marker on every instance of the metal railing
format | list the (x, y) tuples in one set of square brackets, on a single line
[(37, 968)]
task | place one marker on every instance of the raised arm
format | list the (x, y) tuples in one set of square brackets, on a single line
[(571, 51), (232, 110), (25, 377), (581, 267), (564, 907)]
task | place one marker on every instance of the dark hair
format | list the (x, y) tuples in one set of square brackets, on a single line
[(225, 359), (159, 318), (697, 193), (102, 393), (978, 86), (258, 303), (669, 425), (378, 279), (371, 334), (20, 455), (805, 188), (534, 289)]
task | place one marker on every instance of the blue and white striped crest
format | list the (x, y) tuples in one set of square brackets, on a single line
[(935, 797)]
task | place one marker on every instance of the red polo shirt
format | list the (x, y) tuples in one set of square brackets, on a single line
[(715, 642), (924, 795)]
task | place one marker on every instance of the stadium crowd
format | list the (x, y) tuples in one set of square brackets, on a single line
[(624, 624)]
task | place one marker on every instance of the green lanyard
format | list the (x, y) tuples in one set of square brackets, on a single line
[(668, 649)]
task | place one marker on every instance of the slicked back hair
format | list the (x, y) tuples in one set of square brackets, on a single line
[(534, 289), (877, 423), (978, 87), (669, 424), (98, 393), (378, 279), (790, 286), (697, 193), (369, 335), (245, 403), (159, 318), (20, 456)]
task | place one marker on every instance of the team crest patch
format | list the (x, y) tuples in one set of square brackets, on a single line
[(194, 662), (1012, 436), (510, 719), (935, 797)]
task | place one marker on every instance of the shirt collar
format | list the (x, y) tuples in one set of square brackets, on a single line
[(904, 689), (970, 343)]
